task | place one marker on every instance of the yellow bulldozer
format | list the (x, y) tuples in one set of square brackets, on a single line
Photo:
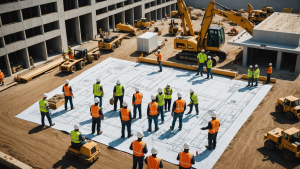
[(269, 10), (290, 106), (142, 23), (127, 28), (173, 28), (257, 16), (110, 42)]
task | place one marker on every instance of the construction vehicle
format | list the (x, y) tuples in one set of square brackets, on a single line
[(81, 56), (268, 10), (290, 105), (110, 42), (103, 33), (173, 28), (88, 153), (210, 38), (126, 28), (142, 23), (287, 141), (157, 30), (176, 14), (256, 16)]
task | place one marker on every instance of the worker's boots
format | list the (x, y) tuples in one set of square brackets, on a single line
[(100, 132), (130, 135), (171, 128), (197, 74), (52, 124), (207, 147)]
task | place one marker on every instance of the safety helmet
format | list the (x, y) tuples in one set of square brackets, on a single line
[(168, 85), (158, 50), (270, 64), (97, 80), (251, 66), (76, 126), (118, 82), (154, 150), (256, 65), (179, 95), (45, 95), (209, 57), (96, 100), (202, 50), (125, 103), (213, 114), (153, 97), (186, 145), (140, 134), (136, 89), (67, 81), (159, 90), (191, 90)]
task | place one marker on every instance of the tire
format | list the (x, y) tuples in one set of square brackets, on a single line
[(289, 115), (113, 47), (118, 44), (97, 56), (73, 69), (80, 65), (70, 156), (279, 108), (92, 59), (288, 155), (269, 145), (82, 162)]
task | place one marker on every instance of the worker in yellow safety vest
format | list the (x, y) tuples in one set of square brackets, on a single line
[(68, 94), (160, 99), (152, 161), (168, 91), (269, 72), (201, 60), (70, 53), (179, 107), (98, 91), (44, 109), (77, 140), (213, 128), (2, 78), (125, 116), (208, 67), (186, 159), (256, 74), (250, 76), (118, 94), (97, 116), (153, 113), (137, 100), (194, 102), (139, 149)]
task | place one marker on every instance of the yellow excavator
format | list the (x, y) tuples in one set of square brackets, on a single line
[(210, 38), (269, 10), (256, 16)]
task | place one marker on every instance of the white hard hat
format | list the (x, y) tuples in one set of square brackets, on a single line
[(97, 80), (251, 66), (159, 90), (256, 65), (125, 104), (137, 89), (202, 50), (96, 100), (45, 95), (153, 97), (158, 50), (179, 95), (191, 90), (213, 114), (140, 134), (186, 145), (67, 81), (118, 82), (209, 57), (76, 126), (270, 64), (168, 85), (154, 150)]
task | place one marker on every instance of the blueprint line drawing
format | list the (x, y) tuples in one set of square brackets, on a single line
[(231, 99)]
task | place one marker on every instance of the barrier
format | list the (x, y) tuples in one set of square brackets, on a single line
[(261, 78)]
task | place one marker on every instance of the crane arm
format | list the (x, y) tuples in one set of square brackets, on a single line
[(185, 17), (250, 9)]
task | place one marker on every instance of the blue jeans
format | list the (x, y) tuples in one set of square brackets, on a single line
[(139, 107), (100, 98), (96, 121), (82, 143), (196, 107), (208, 70), (136, 160), (66, 101), (161, 111), (128, 125), (268, 78), (200, 68), (160, 66), (212, 140), (177, 115), (256, 81), (155, 119), (250, 80), (48, 117)]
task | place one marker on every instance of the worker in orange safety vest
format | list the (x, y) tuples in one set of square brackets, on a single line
[(68, 94), (213, 128), (125, 116), (269, 72), (2, 77), (97, 116), (70, 53), (152, 161), (153, 113), (137, 100), (186, 159), (179, 107), (139, 149)]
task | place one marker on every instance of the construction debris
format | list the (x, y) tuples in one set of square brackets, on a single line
[(56, 101)]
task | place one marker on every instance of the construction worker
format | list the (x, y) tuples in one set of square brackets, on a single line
[(44, 109), (159, 60), (137, 100), (179, 107), (160, 99), (152, 161), (256, 74), (166, 16), (153, 113), (269, 72), (31, 61), (194, 101), (77, 140), (98, 91), (201, 60), (186, 159), (70, 53), (97, 115), (139, 150), (118, 94), (2, 78), (68, 94), (125, 116), (168, 97), (208, 67), (213, 128), (250, 76), (234, 31)]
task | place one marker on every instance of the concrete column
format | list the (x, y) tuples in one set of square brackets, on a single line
[(279, 59), (297, 68), (44, 51), (94, 22), (26, 57), (113, 22), (132, 15), (123, 17), (245, 56), (77, 30), (8, 65)]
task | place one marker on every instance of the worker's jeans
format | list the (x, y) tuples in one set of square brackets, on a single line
[(66, 102), (160, 66), (177, 115), (256, 81), (250, 80), (155, 119), (96, 121), (168, 104), (128, 125), (100, 98), (200, 68), (48, 117), (208, 71), (196, 107), (268, 78), (139, 160), (161, 111), (212, 140), (116, 101), (139, 107)]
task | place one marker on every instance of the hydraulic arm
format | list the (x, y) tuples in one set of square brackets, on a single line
[(185, 17)]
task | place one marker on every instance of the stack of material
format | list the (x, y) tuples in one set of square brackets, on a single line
[(16, 68), (147, 42), (56, 101)]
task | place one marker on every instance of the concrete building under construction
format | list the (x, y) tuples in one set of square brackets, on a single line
[(41, 29)]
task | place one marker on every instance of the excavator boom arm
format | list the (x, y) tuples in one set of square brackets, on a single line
[(250, 9), (185, 17)]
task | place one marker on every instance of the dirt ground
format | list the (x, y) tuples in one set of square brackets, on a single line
[(45, 148)]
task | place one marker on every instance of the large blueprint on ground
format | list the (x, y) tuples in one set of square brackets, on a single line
[(231, 99)]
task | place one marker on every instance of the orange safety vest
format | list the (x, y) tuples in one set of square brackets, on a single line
[(179, 106), (71, 56), (138, 148), (215, 126), (95, 111), (159, 57), (269, 70), (153, 162), (125, 114), (2, 75), (185, 159), (67, 90), (153, 108), (138, 98)]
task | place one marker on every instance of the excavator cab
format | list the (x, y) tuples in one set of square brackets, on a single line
[(215, 36)]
